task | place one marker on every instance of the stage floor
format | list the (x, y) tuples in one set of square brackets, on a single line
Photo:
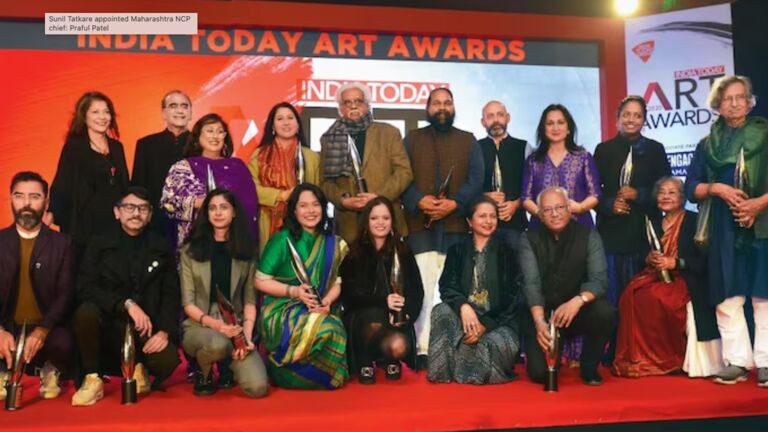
[(409, 404)]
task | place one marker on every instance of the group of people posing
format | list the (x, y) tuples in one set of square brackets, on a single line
[(393, 277)]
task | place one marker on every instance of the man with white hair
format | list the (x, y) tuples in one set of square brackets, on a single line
[(383, 162), (565, 277)]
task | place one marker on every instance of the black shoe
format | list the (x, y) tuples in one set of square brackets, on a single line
[(392, 372), (192, 369), (591, 378), (421, 362), (204, 385), (226, 380), (367, 375)]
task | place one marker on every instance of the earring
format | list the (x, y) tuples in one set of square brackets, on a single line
[(391, 232)]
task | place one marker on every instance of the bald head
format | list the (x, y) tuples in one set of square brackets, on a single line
[(495, 119)]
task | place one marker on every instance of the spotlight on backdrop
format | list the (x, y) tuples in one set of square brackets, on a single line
[(625, 7)]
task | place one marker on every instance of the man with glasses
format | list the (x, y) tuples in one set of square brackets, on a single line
[(356, 147), (436, 221), (127, 276), (564, 273), (36, 286), (157, 152)]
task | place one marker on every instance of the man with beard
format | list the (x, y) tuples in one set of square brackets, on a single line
[(510, 153), (128, 276), (36, 286), (382, 160), (564, 273), (436, 222), (157, 152)]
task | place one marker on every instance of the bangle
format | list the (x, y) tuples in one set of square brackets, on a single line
[(583, 298), (201, 320)]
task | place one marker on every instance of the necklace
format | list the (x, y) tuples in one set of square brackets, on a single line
[(99, 149)]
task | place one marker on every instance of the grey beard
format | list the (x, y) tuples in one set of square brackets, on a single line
[(28, 221)]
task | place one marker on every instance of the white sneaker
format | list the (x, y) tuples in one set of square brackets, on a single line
[(49, 382), (3, 380), (90, 392), (141, 375)]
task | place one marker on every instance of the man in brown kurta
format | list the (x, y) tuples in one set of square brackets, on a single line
[(435, 150), (384, 163)]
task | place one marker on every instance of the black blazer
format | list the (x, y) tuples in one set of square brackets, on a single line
[(695, 275), (50, 269), (86, 187), (105, 279), (455, 283)]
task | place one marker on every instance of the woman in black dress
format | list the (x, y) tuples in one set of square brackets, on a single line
[(376, 333), (91, 174)]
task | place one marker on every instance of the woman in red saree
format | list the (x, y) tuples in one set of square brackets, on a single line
[(653, 330)]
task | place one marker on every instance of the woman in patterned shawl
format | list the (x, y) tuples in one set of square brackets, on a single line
[(303, 335), (207, 165), (474, 337), (274, 167)]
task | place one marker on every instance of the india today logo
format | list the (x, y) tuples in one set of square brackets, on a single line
[(644, 50)]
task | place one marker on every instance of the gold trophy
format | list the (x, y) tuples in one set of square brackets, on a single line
[(396, 287), (362, 186), (13, 386), (300, 271), (230, 317), (441, 193), (128, 367), (653, 240), (552, 356), (300, 173)]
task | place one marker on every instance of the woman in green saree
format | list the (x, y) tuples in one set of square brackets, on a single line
[(303, 335)]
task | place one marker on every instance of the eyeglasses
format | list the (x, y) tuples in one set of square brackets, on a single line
[(214, 132), (735, 99), (131, 208), (349, 103), (550, 211)]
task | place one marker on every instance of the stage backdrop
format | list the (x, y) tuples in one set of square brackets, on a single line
[(240, 73), (672, 60)]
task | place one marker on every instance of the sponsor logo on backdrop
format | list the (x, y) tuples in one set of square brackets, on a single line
[(644, 50)]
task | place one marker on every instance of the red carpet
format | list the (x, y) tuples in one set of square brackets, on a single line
[(410, 404)]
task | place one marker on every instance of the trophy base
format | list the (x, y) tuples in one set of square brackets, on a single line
[(551, 384), (13, 397), (129, 392)]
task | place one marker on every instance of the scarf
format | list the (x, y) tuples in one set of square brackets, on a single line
[(751, 136), (337, 161), (277, 169)]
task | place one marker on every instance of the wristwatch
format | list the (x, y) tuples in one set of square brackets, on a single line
[(584, 298)]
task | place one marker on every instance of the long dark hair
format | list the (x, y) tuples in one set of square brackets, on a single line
[(77, 126), (363, 246), (541, 133), (240, 243), (268, 136), (193, 148), (292, 224)]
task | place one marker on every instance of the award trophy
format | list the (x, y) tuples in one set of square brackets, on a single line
[(396, 287), (300, 271), (741, 177), (496, 180), (653, 240), (362, 186), (552, 356), (230, 317), (211, 180), (626, 170), (300, 174), (441, 194), (128, 366), (13, 386)]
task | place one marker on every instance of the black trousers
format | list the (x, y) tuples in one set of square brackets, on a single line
[(595, 321), (99, 337)]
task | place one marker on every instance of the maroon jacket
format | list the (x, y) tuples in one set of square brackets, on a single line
[(50, 269)]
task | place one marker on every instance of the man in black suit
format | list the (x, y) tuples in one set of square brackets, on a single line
[(128, 276), (157, 152)]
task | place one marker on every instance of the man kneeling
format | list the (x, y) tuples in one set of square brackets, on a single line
[(127, 276), (564, 271)]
